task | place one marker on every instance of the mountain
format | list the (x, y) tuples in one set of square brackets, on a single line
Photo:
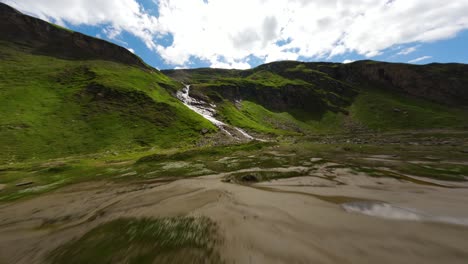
[(290, 97), (39, 37), (64, 93)]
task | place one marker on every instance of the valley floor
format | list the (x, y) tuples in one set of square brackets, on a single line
[(319, 208)]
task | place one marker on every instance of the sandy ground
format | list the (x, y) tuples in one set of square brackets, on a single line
[(296, 220)]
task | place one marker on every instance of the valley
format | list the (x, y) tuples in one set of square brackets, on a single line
[(107, 160), (314, 197)]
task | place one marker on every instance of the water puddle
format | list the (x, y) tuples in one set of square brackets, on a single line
[(388, 211)]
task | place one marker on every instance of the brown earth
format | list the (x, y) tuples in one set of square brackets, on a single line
[(296, 220)]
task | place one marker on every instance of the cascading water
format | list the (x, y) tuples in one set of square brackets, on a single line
[(208, 111)]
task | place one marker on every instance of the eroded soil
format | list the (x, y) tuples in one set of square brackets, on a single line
[(296, 202), (293, 220)]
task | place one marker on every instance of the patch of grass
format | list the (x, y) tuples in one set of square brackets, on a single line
[(165, 240), (302, 68), (270, 79), (383, 110), (253, 116), (45, 178), (250, 118), (210, 152), (439, 172)]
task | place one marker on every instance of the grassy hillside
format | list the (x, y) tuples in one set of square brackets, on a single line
[(252, 116), (51, 107), (384, 110), (294, 98)]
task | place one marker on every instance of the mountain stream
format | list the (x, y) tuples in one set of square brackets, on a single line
[(208, 111)]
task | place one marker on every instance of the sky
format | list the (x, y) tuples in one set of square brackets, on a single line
[(243, 34)]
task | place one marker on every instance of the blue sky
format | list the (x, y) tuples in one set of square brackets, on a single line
[(246, 33)]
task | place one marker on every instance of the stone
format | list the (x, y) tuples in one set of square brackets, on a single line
[(249, 178), (24, 183)]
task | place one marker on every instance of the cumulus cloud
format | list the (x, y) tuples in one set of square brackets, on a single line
[(420, 59), (227, 33), (321, 29)]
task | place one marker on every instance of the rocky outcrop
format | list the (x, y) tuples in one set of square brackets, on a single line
[(441, 83), (41, 37), (280, 99)]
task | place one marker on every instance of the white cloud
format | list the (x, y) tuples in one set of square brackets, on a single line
[(267, 29), (348, 61), (420, 59), (312, 29), (230, 65), (408, 50), (131, 50)]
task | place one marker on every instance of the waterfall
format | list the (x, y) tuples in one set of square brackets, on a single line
[(208, 111)]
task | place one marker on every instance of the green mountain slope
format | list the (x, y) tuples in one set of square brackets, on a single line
[(53, 106), (284, 98)]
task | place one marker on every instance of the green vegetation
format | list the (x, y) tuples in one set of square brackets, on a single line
[(294, 98), (254, 117), (416, 154), (218, 77), (165, 240), (210, 152), (382, 110), (54, 108), (44, 176), (47, 176), (270, 79), (302, 68), (251, 117)]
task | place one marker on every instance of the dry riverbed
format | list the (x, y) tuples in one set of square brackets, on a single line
[(262, 202), (328, 215)]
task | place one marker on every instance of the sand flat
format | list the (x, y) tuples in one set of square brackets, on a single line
[(278, 224)]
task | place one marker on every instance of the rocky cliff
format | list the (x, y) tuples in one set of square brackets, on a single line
[(441, 83)]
